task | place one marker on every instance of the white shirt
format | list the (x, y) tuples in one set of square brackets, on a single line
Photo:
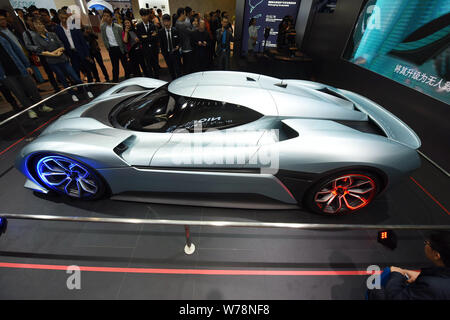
[(111, 38), (69, 37)]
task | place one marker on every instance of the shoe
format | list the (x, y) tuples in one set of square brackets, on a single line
[(90, 95), (74, 98), (46, 108), (32, 114)]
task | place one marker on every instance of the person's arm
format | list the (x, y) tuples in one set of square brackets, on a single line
[(19, 52), (139, 31), (59, 42), (50, 54), (154, 36), (176, 39), (125, 36), (29, 44), (397, 287), (117, 33), (104, 37), (218, 35)]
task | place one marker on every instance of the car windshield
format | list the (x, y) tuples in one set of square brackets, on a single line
[(162, 111)]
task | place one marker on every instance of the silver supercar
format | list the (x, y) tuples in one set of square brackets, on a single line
[(224, 139)]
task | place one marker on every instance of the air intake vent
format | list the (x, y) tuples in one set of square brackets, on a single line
[(281, 85), (333, 93), (250, 79), (124, 145), (363, 126)]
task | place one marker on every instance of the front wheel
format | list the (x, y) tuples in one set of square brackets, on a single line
[(69, 177), (343, 193)]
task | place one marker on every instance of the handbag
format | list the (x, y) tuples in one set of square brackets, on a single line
[(35, 60)]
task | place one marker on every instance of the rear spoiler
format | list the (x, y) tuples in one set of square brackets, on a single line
[(394, 128)]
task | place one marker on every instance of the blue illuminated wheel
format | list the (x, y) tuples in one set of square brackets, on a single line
[(69, 177)]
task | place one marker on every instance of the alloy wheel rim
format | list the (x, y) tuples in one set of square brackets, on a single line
[(345, 193), (67, 176)]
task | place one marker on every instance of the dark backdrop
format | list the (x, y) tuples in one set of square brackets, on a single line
[(325, 40)]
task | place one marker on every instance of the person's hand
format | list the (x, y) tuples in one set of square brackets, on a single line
[(137, 39), (199, 43), (412, 275), (30, 71), (205, 43), (154, 33), (397, 269), (89, 59)]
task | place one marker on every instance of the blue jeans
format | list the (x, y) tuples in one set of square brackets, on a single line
[(64, 71)]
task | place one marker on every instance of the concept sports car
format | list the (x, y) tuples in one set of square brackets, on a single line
[(228, 139)]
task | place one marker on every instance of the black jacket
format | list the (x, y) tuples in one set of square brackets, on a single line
[(228, 38), (175, 36), (432, 284), (149, 42)]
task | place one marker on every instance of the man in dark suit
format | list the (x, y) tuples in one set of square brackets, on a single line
[(224, 37), (148, 36), (74, 44), (169, 39)]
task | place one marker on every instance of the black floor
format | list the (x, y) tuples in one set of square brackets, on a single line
[(35, 243)]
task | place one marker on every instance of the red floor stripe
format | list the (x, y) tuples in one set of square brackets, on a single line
[(192, 271), (38, 128), (430, 195)]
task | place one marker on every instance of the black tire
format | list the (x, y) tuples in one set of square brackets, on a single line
[(316, 197), (101, 185)]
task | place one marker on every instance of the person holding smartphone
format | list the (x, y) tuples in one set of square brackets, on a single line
[(134, 49)]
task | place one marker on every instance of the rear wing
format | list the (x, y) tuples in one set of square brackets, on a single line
[(394, 128)]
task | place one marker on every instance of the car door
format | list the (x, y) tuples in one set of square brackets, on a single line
[(208, 149)]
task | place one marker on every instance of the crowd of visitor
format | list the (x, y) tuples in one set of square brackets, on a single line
[(188, 42)]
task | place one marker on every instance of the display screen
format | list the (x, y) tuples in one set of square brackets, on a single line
[(406, 41), (267, 13)]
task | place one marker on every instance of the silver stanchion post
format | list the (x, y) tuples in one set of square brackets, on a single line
[(189, 248)]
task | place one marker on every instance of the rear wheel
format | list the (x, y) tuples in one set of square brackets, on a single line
[(343, 193), (69, 177)]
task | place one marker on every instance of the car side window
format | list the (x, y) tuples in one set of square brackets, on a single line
[(214, 114), (162, 111)]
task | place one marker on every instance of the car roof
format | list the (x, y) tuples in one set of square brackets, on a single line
[(266, 95)]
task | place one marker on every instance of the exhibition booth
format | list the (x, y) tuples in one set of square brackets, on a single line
[(307, 155)]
